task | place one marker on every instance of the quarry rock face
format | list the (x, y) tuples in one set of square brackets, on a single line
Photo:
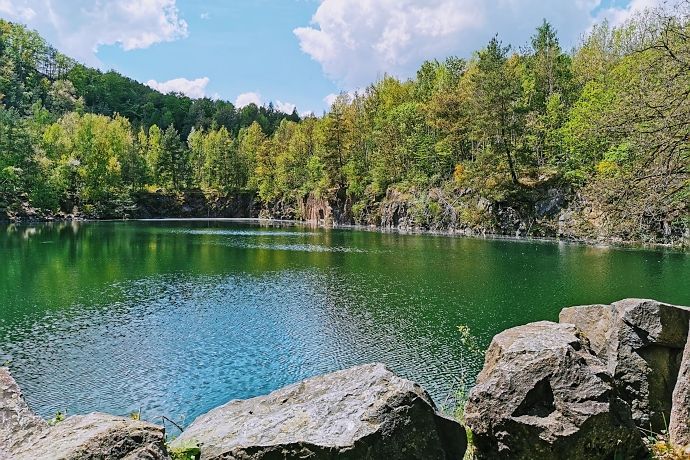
[(17, 422), (96, 436)]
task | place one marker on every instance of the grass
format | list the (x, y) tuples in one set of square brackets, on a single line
[(661, 448)]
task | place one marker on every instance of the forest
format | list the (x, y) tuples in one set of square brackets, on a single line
[(592, 142)]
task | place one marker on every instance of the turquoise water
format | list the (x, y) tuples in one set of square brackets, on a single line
[(174, 318)]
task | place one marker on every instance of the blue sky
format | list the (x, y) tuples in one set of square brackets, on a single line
[(292, 52)]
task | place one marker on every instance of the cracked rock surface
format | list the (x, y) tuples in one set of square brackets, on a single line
[(25, 436), (365, 412), (641, 341), (544, 394)]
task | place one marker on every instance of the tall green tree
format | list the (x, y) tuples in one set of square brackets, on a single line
[(173, 163), (494, 103)]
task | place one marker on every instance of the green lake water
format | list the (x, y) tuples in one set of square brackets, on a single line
[(177, 317)]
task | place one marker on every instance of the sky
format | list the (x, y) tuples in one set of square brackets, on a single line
[(294, 53)]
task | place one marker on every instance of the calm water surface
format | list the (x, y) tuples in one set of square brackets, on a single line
[(175, 318)]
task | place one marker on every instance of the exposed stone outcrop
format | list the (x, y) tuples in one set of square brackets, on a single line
[(366, 412), (96, 436), (679, 428), (25, 436), (317, 210), (544, 394), (190, 204), (394, 211), (17, 423), (642, 343)]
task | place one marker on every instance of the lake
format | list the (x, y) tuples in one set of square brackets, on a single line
[(174, 318)]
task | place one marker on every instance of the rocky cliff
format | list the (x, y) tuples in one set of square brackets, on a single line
[(549, 210)]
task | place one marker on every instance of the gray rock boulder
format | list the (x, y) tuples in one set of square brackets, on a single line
[(366, 412), (96, 436), (17, 422), (25, 436), (679, 428), (544, 394), (595, 323), (642, 343)]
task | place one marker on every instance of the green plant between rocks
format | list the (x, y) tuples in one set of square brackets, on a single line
[(59, 417), (189, 450), (454, 405)]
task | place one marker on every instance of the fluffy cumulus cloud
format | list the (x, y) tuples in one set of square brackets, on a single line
[(618, 15), (330, 98), (192, 88), (79, 27), (256, 98), (285, 107), (245, 99), (357, 41)]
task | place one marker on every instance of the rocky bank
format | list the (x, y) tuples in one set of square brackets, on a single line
[(589, 387), (548, 210)]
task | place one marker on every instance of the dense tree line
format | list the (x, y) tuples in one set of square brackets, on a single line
[(609, 121)]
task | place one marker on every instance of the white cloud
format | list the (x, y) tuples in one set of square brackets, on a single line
[(205, 15), (330, 99), (285, 107), (79, 27), (245, 99), (357, 41), (256, 98), (22, 13), (617, 16), (193, 88)]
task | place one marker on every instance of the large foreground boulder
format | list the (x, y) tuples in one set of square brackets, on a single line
[(25, 436), (679, 428), (366, 412), (642, 343), (17, 422), (96, 436), (544, 394)]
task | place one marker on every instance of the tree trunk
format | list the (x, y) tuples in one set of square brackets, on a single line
[(511, 165)]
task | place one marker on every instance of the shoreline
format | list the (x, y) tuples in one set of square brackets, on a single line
[(604, 243)]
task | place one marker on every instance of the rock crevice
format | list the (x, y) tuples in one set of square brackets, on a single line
[(587, 387)]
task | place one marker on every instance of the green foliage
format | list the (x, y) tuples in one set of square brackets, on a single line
[(471, 449), (59, 417), (188, 451), (610, 120), (468, 341)]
